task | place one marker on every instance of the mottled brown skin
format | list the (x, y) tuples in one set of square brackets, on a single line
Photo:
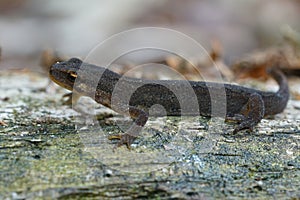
[(135, 97)]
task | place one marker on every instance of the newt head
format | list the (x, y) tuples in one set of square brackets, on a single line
[(65, 73), (83, 78)]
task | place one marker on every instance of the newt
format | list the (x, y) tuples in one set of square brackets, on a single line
[(247, 106)]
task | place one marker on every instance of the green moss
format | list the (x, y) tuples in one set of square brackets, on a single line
[(44, 156)]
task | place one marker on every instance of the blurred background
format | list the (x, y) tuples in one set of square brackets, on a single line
[(74, 28)]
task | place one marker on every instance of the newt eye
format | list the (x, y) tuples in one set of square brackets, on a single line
[(73, 74)]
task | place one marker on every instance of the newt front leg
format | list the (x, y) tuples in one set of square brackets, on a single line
[(134, 130)]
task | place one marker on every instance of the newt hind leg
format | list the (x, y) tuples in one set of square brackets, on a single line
[(251, 113)]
